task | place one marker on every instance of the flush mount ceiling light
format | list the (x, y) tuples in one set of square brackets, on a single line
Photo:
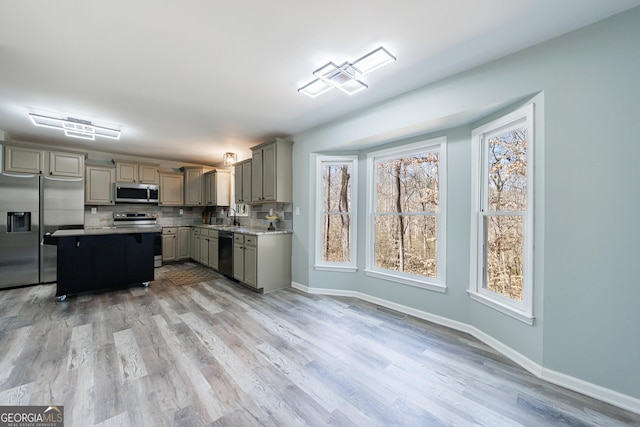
[(229, 159), (346, 77), (74, 128)]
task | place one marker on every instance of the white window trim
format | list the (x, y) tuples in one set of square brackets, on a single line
[(522, 311), (438, 283), (320, 264)]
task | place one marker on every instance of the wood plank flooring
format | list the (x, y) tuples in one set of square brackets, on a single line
[(217, 354)]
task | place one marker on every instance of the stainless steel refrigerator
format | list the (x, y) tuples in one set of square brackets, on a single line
[(31, 206)]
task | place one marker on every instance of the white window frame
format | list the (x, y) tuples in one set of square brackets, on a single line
[(438, 283), (321, 264), (520, 310)]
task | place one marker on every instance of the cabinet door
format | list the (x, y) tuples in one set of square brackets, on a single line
[(238, 261), (126, 172), (192, 243), (98, 186), (213, 252), (237, 184), (169, 247), (269, 172), (66, 164), (210, 188), (246, 181), (193, 187), (148, 174), (222, 183), (204, 250), (24, 160), (183, 249), (256, 176), (171, 189), (250, 266), (196, 248)]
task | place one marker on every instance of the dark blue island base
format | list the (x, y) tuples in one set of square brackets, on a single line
[(92, 262)]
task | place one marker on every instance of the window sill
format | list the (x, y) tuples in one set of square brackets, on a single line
[(503, 308), (407, 281), (337, 268)]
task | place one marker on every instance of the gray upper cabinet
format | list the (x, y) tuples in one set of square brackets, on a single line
[(193, 186), (24, 160), (171, 189), (243, 181), (126, 172), (41, 162), (66, 164), (272, 171), (217, 185), (136, 172), (99, 185), (148, 174)]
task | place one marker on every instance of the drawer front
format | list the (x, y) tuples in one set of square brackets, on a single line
[(238, 238), (169, 230), (250, 240), (213, 233), (197, 231)]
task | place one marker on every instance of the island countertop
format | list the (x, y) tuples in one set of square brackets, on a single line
[(106, 231)]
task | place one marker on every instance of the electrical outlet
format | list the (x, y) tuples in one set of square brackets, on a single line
[(94, 211), (181, 211), (297, 210)]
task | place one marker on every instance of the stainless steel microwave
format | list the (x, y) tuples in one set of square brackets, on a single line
[(136, 193)]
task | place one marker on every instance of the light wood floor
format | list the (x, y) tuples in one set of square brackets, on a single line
[(215, 354)]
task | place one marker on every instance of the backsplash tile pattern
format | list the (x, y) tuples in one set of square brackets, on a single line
[(170, 215)]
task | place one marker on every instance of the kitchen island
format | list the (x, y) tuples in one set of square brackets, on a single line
[(96, 259)]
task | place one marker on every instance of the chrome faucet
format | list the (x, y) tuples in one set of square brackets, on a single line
[(235, 219)]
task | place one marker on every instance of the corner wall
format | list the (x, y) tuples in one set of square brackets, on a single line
[(587, 236)]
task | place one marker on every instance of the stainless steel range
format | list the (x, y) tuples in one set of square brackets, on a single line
[(141, 220)]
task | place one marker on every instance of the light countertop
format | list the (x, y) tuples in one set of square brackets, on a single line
[(106, 231), (255, 231)]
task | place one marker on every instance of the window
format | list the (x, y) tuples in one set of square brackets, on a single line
[(406, 220), (501, 223), (336, 223)]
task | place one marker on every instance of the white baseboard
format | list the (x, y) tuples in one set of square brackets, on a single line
[(558, 378)]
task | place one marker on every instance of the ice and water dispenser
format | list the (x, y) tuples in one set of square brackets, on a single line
[(18, 222)]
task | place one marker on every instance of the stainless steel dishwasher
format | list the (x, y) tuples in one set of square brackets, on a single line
[(225, 253)]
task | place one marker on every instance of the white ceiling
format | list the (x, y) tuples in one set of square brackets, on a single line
[(189, 80)]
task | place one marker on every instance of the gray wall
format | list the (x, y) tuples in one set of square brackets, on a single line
[(587, 235)]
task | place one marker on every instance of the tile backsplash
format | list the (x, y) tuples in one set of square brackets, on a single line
[(254, 215)]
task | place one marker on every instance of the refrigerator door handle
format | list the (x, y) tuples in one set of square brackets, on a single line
[(51, 178), (13, 175)]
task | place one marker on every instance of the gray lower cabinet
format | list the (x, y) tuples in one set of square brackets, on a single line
[(175, 243), (238, 256), (262, 262), (195, 243), (204, 248), (169, 244), (213, 249), (183, 244)]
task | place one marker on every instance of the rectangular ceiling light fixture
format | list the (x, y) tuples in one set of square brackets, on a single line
[(346, 77), (74, 128)]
